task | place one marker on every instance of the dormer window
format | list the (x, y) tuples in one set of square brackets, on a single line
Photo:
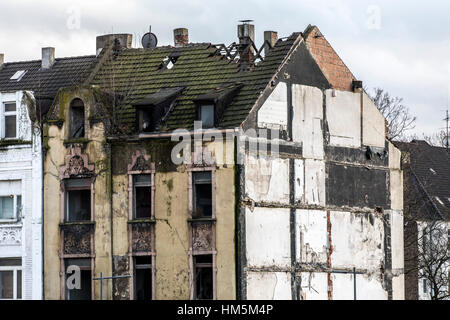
[(152, 111), (207, 115), (211, 105), (77, 123)]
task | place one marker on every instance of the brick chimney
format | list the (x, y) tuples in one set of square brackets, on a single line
[(125, 40), (180, 37), (270, 37), (48, 57), (246, 35), (2, 60)]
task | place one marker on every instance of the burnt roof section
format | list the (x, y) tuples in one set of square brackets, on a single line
[(200, 68), (45, 83), (431, 167)]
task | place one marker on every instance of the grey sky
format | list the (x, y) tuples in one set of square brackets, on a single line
[(401, 46)]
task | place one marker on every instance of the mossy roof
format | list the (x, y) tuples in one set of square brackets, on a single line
[(137, 73)]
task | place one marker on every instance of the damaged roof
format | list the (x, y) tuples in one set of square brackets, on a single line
[(199, 68), (430, 165)]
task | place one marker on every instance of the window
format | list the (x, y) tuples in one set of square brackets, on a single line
[(76, 125), (202, 194), (203, 277), (11, 278), (145, 121), (143, 278), (9, 120), (78, 200), (142, 196), (207, 116), (78, 285), (18, 75), (10, 200), (424, 284)]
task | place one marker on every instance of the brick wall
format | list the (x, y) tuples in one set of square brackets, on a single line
[(334, 69)]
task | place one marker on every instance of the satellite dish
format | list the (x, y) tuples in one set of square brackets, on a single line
[(149, 40), (446, 141)]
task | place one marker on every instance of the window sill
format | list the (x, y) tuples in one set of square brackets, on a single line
[(76, 223), (76, 140), (4, 142), (11, 222), (140, 220), (202, 219)]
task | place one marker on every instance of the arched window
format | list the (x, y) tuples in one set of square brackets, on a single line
[(76, 114)]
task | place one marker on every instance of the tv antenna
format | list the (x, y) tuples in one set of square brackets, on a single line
[(446, 140)]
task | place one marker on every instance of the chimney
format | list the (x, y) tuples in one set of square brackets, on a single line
[(125, 40), (48, 57), (2, 60), (270, 38), (246, 35), (180, 37)]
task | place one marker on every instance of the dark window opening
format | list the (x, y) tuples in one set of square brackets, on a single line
[(202, 194), (79, 290), (78, 200), (207, 116), (203, 272), (10, 127), (142, 196), (76, 119), (143, 278), (145, 121)]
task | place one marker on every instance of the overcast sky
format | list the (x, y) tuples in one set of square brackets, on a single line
[(401, 46)]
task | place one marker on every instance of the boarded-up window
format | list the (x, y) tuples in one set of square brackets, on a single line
[(77, 122), (143, 278), (202, 194), (142, 196), (203, 277)]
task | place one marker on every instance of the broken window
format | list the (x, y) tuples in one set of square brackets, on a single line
[(202, 194), (77, 122), (9, 120), (207, 115), (78, 200), (11, 203), (142, 196), (203, 277), (11, 278), (143, 278), (78, 279)]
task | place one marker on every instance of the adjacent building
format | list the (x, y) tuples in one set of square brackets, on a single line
[(426, 171), (26, 91)]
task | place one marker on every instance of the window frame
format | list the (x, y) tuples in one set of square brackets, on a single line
[(144, 267), (74, 104), (131, 193), (89, 186), (205, 265), (17, 212), (199, 115), (15, 270), (5, 114)]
